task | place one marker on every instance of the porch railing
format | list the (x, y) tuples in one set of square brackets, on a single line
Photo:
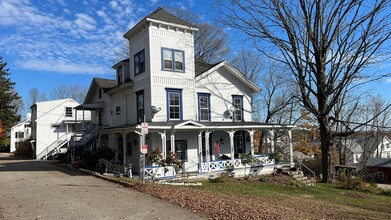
[(221, 165), (157, 172)]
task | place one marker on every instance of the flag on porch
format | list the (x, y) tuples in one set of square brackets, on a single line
[(217, 149)]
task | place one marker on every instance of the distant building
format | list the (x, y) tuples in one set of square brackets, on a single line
[(52, 125), (20, 132)]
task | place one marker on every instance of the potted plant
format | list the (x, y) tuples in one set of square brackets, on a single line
[(276, 156)]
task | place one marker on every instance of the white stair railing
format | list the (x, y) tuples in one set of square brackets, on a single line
[(52, 147)]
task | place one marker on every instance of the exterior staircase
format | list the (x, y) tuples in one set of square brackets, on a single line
[(299, 176), (53, 148)]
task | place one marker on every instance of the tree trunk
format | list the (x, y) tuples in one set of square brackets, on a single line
[(325, 137)]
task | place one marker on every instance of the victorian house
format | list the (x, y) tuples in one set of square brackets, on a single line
[(200, 111)]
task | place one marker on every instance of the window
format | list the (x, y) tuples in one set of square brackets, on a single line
[(237, 101), (118, 110), (119, 75), (68, 111), (387, 145), (356, 158), (174, 104), (139, 62), (173, 60), (203, 107), (19, 134), (140, 106), (380, 176), (100, 93), (180, 149)]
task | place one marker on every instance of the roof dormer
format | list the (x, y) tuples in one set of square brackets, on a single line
[(122, 71)]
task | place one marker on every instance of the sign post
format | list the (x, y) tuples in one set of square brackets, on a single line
[(143, 149)]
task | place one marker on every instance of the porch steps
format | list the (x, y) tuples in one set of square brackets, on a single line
[(299, 176)]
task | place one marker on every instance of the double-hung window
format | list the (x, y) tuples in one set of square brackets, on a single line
[(237, 101), (139, 62), (68, 112), (140, 106), (203, 107), (119, 75), (173, 60), (174, 104)]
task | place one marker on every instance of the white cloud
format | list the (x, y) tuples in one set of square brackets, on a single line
[(388, 80), (62, 66), (85, 22), (114, 5), (154, 1)]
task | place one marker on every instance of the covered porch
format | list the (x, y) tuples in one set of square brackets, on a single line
[(202, 147)]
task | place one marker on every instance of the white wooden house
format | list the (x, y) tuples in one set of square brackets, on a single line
[(20, 132), (192, 108), (52, 125)]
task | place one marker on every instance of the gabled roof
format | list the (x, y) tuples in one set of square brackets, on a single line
[(202, 66), (210, 68), (100, 82), (105, 83), (379, 162), (163, 17), (122, 61)]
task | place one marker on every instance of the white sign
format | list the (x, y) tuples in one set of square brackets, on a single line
[(144, 128)]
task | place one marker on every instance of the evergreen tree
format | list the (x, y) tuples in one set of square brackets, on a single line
[(8, 102)]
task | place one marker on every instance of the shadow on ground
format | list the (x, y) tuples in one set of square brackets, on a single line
[(10, 163)]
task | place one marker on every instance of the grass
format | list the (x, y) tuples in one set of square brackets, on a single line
[(325, 193)]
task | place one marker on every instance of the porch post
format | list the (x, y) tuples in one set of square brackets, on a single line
[(272, 140), (172, 142), (100, 141), (231, 141), (164, 144), (200, 151), (252, 141), (124, 147), (207, 149), (290, 147)]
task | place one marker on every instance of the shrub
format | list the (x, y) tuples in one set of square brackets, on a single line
[(223, 178), (263, 178), (24, 149)]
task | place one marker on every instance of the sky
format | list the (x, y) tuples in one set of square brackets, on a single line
[(48, 43)]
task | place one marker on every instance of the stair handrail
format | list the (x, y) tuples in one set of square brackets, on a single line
[(302, 164), (52, 146)]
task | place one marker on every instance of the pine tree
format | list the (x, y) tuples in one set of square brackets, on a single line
[(8, 99)]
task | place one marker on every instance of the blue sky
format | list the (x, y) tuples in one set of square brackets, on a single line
[(53, 42), (47, 43)]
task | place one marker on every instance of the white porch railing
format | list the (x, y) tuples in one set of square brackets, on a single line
[(221, 165), (119, 169), (159, 172)]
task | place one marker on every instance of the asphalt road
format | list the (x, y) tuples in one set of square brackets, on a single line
[(31, 189)]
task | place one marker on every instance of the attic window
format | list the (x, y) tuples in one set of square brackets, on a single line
[(68, 111), (118, 110), (119, 75)]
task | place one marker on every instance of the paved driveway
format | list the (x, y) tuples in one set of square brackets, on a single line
[(31, 189)]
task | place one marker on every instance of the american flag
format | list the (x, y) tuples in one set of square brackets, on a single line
[(217, 149)]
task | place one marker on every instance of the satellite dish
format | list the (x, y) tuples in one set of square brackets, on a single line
[(226, 114), (155, 109)]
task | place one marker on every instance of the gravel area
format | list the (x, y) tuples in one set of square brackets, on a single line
[(32, 189)]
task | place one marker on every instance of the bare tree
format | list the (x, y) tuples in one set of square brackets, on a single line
[(35, 96), (326, 45), (74, 91)]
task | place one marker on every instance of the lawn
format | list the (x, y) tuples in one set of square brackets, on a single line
[(274, 198)]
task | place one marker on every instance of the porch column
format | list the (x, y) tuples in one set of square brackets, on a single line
[(124, 147), (272, 140), (252, 141), (164, 144), (100, 141), (290, 147), (172, 142), (231, 142), (200, 151), (207, 148)]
